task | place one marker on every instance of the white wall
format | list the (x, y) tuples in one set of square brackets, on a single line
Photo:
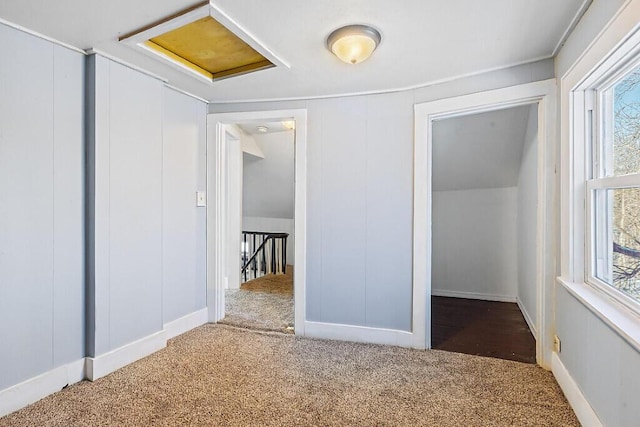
[(602, 364), (360, 196), (267, 183), (183, 224), (41, 207), (146, 237), (527, 220), (475, 243), (125, 155), (145, 263)]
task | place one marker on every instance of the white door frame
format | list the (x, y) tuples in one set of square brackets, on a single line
[(233, 158), (217, 174), (543, 93)]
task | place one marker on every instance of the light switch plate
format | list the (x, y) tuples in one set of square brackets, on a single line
[(201, 198)]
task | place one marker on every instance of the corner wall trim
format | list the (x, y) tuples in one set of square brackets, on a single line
[(106, 363), (472, 295), (362, 334), (186, 323), (34, 389), (585, 413)]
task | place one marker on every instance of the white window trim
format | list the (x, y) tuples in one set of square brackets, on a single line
[(598, 161), (611, 50)]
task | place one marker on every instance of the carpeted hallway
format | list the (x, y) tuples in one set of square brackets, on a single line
[(222, 375), (265, 303)]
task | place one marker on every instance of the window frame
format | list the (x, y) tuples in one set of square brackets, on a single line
[(598, 142), (609, 52)]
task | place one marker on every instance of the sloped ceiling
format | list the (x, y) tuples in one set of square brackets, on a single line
[(480, 150), (424, 41)]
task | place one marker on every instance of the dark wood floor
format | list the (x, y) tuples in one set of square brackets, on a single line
[(484, 328)]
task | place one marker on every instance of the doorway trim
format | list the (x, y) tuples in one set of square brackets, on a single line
[(544, 94), (217, 175)]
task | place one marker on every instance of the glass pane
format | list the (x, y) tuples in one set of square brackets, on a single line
[(617, 239), (624, 156)]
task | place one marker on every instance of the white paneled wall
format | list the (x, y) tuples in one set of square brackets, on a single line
[(183, 224), (146, 244), (388, 215), (359, 199), (135, 204), (41, 207), (126, 155), (145, 237), (359, 211), (343, 210), (68, 136)]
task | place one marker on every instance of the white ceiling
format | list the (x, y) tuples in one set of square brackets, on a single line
[(424, 41), (480, 150)]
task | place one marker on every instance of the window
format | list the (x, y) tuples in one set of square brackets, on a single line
[(613, 185), (600, 177)]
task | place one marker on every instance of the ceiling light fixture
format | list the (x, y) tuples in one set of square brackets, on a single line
[(354, 43), (262, 129)]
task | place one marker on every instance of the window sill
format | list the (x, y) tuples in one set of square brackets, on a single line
[(618, 317)]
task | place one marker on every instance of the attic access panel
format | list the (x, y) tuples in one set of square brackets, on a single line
[(204, 42)]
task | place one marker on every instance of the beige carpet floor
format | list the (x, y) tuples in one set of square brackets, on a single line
[(265, 303), (218, 375), (272, 283)]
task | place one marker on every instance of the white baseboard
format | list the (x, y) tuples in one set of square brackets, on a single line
[(106, 363), (36, 388), (472, 295), (585, 413), (186, 323), (527, 318), (92, 368), (362, 334)]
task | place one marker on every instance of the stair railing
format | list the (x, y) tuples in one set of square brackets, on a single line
[(263, 253)]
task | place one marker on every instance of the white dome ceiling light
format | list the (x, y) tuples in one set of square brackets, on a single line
[(354, 43)]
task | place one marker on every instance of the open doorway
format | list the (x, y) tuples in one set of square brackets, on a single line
[(259, 294), (256, 216), (426, 115), (484, 224)]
